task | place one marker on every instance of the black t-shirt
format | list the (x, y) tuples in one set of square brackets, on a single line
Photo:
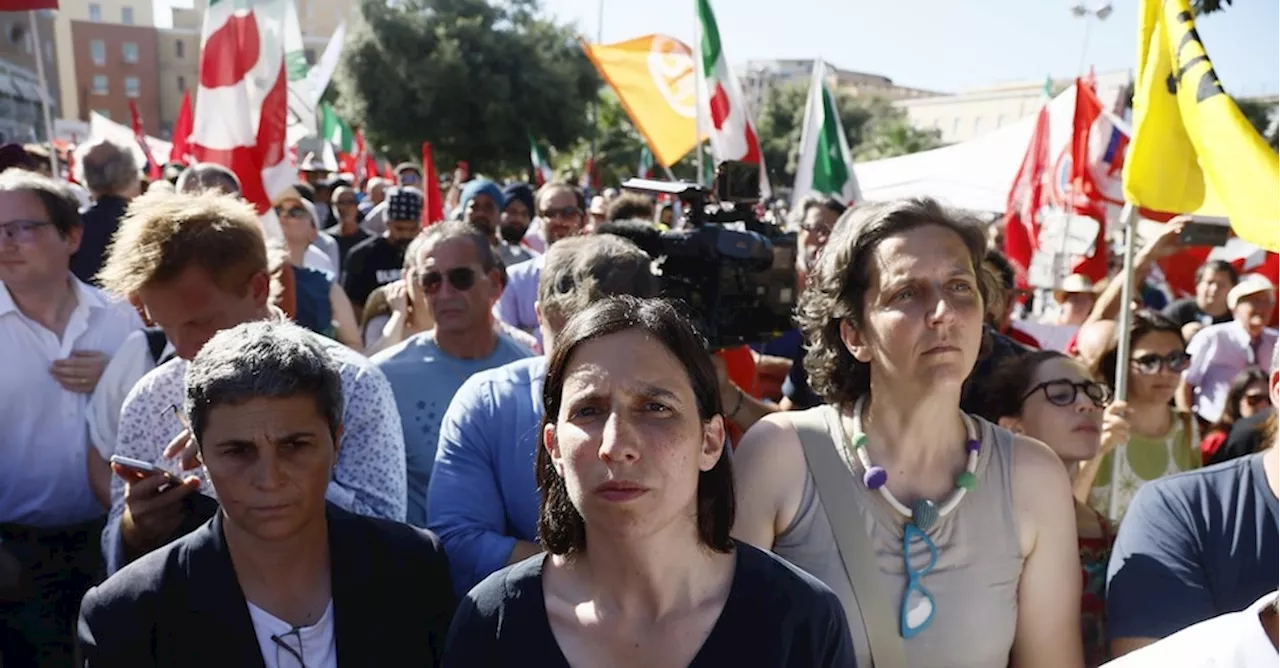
[(371, 263), (1247, 436), (776, 615), (1184, 311), (346, 242)]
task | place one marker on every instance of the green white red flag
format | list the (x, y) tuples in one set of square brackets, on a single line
[(725, 119)]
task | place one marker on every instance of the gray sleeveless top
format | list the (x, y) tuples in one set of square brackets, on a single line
[(975, 581)]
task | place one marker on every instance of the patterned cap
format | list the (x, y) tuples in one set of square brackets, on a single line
[(404, 203)]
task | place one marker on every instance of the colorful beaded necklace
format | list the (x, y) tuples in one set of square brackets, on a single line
[(924, 513)]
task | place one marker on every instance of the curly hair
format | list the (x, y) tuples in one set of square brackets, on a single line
[(837, 288)]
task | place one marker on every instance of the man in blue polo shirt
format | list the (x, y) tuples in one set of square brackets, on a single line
[(483, 500), (1196, 545)]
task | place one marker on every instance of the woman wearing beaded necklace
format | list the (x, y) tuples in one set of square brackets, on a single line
[(972, 528)]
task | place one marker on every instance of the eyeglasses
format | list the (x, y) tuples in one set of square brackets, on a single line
[(1062, 392), (461, 278), (1256, 400), (292, 212), (565, 212), (1175, 362), (23, 231), (408, 178), (292, 652), (918, 604)]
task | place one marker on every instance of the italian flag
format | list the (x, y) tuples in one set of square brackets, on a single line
[(825, 164), (645, 168), (730, 131), (336, 131), (541, 170), (241, 117)]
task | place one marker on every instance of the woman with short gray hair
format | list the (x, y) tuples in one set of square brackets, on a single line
[(969, 531), (280, 576)]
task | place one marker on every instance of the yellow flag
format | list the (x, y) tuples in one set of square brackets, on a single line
[(654, 79), (1192, 150)]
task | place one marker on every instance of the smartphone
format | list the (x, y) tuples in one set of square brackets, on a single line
[(143, 469), (1205, 231)]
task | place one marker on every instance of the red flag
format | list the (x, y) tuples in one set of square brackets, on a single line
[(1022, 232), (1085, 196), (154, 172), (433, 212), (182, 132), (389, 173)]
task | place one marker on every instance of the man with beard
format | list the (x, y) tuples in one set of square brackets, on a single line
[(378, 261), (517, 213), (482, 205), (562, 207)]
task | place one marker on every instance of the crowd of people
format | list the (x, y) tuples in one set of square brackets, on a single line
[(489, 440)]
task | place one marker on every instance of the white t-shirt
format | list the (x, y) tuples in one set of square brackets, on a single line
[(1233, 640), (131, 362), (313, 644)]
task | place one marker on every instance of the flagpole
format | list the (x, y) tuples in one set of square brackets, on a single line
[(697, 90), (595, 134), (44, 94), (1129, 218)]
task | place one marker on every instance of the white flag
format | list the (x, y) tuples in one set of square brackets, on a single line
[(825, 165)]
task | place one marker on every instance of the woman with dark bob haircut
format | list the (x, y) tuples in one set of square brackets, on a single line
[(971, 527), (637, 503)]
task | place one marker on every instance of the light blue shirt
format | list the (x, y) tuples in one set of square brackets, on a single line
[(1218, 354), (424, 379), (483, 496), (515, 307)]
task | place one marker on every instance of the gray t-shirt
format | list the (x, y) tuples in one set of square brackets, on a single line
[(1193, 546)]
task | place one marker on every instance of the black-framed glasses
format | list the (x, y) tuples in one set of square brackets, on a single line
[(461, 278), (22, 231), (1063, 392), (563, 212), (1150, 364), (345, 202)]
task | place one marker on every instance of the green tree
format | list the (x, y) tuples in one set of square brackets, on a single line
[(874, 127), (475, 78)]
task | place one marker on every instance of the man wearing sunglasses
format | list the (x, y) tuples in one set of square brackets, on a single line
[(1219, 352), (377, 261), (456, 267), (562, 208)]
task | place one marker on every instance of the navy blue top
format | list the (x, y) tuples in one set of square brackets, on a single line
[(776, 615), (1193, 546)]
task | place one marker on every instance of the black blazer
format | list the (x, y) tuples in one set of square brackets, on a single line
[(182, 605)]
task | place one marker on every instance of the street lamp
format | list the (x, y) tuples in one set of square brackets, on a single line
[(1080, 10)]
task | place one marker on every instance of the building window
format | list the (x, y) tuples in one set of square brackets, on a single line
[(95, 12), (100, 84), (182, 84), (310, 55), (105, 113), (179, 49), (955, 126), (126, 15), (98, 51), (28, 42), (48, 50), (131, 86), (977, 126), (130, 52), (1000, 121)]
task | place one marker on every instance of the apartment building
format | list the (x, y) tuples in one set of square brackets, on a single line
[(21, 114), (106, 56)]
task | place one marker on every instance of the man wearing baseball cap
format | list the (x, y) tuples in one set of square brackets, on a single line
[(1219, 352), (377, 261)]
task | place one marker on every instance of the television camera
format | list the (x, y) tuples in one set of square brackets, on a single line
[(736, 273)]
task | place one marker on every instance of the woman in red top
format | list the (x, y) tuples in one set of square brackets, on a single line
[(1247, 396)]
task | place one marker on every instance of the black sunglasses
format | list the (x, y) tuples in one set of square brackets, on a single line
[(1062, 392), (564, 212), (1176, 362), (1256, 400), (461, 278), (295, 212)]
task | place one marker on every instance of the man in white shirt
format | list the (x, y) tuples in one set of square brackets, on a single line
[(1245, 639), (56, 334), (1219, 352), (198, 265)]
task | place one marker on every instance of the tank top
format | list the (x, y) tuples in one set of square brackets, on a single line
[(1143, 459), (975, 581)]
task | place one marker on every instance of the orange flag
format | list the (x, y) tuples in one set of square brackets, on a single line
[(653, 77)]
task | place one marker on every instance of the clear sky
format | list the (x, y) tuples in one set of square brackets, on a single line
[(944, 45)]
